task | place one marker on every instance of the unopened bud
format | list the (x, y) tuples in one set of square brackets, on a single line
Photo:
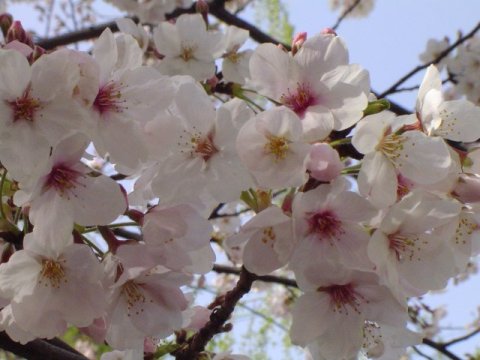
[(328, 31), (201, 7), (374, 107), (298, 41), (17, 32), (6, 20), (135, 215), (36, 53)]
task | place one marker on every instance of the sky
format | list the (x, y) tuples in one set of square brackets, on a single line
[(387, 43)]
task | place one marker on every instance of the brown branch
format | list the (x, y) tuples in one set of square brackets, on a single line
[(440, 348), (218, 318), (225, 269), (462, 338), (440, 56), (345, 14), (38, 350)]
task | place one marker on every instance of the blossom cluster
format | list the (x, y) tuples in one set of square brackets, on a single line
[(378, 207)]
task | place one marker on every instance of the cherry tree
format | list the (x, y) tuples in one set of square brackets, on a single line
[(168, 154)]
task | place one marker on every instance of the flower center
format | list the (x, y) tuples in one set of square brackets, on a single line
[(277, 146), (24, 107), (343, 298), (325, 225), (391, 146), (372, 340), (405, 247), (109, 98), (133, 295), (187, 53), (62, 178), (52, 273), (300, 99), (199, 145)]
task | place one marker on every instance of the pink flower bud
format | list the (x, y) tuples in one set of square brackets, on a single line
[(328, 31), (324, 162), (17, 32), (149, 346), (36, 53), (298, 41), (6, 21)]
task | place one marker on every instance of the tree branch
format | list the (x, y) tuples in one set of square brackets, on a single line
[(218, 318), (38, 350), (345, 14), (225, 269), (462, 338), (440, 348), (442, 55)]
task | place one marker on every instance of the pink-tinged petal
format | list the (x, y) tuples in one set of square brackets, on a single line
[(105, 53), (196, 107), (8, 324), (370, 131), (166, 39), (317, 123), (53, 75), (358, 209), (423, 159), (273, 71), (19, 276), (311, 317), (97, 201), (431, 81), (259, 256), (352, 74), (346, 102), (377, 180), (323, 53), (15, 74), (459, 121)]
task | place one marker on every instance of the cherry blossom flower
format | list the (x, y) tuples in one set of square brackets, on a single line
[(195, 149), (188, 48), (43, 282), (390, 151), (334, 307), (327, 227), (271, 147), (269, 241), (143, 302), (64, 192), (411, 248), (235, 66), (317, 84)]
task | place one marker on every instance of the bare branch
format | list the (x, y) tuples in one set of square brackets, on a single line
[(218, 318), (345, 14), (442, 55), (38, 350), (225, 269), (440, 348), (462, 338)]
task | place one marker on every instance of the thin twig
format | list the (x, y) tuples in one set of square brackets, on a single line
[(421, 353), (462, 338), (345, 14), (225, 269), (392, 89)]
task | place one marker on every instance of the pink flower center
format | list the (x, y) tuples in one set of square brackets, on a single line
[(24, 107), (133, 296), (300, 99), (199, 145), (109, 98), (325, 224), (405, 247), (52, 273), (62, 178), (343, 298)]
